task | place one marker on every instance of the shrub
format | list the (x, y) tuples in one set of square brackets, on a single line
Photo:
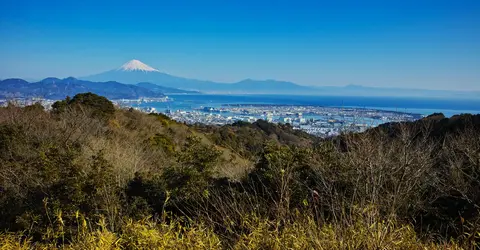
[(196, 162)]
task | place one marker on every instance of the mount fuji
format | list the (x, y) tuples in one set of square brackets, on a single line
[(136, 65), (145, 76), (135, 71)]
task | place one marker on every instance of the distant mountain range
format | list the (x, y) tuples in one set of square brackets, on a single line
[(54, 88), (135, 79), (163, 89), (135, 71)]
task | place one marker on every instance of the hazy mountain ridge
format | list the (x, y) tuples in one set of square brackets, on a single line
[(55, 88), (246, 86), (166, 80), (135, 71), (140, 80), (164, 90)]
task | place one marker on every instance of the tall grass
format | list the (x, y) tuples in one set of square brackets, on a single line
[(302, 233)]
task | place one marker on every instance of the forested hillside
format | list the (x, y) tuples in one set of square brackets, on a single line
[(88, 175)]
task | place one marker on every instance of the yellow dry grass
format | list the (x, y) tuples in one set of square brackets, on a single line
[(302, 233)]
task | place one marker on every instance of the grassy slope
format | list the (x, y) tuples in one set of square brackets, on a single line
[(364, 191)]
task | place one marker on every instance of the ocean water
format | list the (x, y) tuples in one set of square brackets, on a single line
[(424, 106)]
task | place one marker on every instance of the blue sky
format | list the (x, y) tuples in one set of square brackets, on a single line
[(411, 44)]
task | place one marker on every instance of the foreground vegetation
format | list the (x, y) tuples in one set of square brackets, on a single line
[(87, 175)]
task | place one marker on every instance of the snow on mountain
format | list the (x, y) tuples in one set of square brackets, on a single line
[(136, 65), (134, 72)]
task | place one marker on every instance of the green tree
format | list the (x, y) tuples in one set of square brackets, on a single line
[(99, 106), (60, 106), (195, 168)]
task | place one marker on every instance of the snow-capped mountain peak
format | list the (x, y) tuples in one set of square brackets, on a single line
[(136, 65)]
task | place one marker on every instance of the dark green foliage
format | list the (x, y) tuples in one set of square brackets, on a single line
[(145, 195), (198, 156), (63, 180), (195, 168), (100, 106), (9, 136), (34, 107), (52, 176), (240, 124), (435, 126), (165, 120), (247, 139), (164, 142), (160, 116), (283, 174), (435, 116), (60, 106)]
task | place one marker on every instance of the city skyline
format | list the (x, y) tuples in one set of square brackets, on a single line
[(428, 45)]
